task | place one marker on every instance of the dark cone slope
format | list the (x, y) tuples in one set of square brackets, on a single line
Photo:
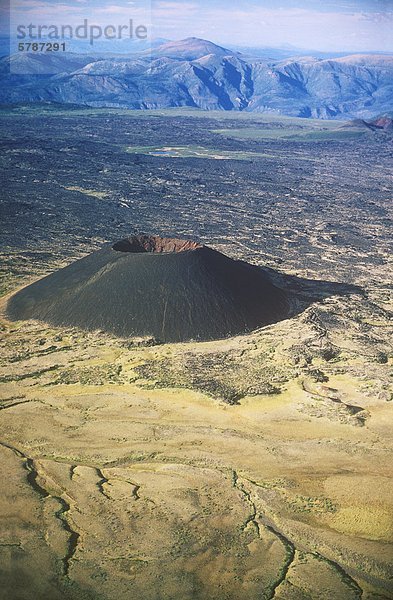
[(173, 290)]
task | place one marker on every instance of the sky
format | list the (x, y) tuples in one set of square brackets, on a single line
[(327, 25)]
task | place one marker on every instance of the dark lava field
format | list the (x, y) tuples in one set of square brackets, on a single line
[(70, 183)]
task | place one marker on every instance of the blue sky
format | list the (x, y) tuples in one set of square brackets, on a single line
[(330, 25)]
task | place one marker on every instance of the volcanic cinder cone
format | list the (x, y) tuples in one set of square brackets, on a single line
[(173, 290)]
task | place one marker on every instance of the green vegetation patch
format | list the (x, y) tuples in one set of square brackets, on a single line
[(224, 376), (195, 152), (307, 504), (97, 375), (292, 134)]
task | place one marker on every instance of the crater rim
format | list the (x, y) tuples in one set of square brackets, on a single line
[(155, 244)]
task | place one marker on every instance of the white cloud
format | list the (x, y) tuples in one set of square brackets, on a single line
[(243, 23), (257, 25), (41, 8), (164, 5)]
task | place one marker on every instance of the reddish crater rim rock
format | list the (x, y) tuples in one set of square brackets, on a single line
[(154, 244)]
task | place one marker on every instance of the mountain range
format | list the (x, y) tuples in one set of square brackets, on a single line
[(197, 73)]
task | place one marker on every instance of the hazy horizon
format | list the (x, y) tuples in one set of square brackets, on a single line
[(332, 26)]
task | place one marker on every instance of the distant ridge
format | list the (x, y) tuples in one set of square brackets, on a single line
[(174, 290), (190, 49), (197, 73)]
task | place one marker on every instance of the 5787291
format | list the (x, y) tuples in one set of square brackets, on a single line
[(41, 47)]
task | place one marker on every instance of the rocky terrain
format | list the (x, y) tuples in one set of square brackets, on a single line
[(256, 466), (197, 73)]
